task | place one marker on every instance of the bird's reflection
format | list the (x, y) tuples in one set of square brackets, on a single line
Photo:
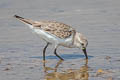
[(69, 74)]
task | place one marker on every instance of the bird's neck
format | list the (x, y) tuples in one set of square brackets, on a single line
[(76, 41)]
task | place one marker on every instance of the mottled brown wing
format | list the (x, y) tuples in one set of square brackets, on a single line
[(60, 30)]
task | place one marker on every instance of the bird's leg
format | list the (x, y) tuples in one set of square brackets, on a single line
[(44, 51), (57, 54)]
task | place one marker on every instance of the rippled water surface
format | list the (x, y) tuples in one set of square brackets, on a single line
[(21, 49)]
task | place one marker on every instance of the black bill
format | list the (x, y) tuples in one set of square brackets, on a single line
[(84, 50)]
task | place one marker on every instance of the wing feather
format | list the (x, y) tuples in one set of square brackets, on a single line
[(60, 30)]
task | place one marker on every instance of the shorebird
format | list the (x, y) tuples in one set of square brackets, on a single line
[(58, 34)]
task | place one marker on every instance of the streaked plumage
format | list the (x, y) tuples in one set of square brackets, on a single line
[(56, 33)]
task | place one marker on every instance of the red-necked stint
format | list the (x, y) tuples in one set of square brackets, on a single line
[(58, 34)]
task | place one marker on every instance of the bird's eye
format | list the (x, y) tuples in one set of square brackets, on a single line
[(82, 44)]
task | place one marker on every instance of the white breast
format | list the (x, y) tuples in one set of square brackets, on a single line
[(46, 36), (52, 38)]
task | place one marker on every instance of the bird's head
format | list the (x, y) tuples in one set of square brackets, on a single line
[(82, 43)]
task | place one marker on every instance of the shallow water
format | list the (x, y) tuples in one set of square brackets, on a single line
[(21, 49)]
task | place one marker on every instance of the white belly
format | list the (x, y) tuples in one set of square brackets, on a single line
[(52, 38), (46, 36)]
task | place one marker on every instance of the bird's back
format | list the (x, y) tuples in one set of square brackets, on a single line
[(58, 29), (51, 31)]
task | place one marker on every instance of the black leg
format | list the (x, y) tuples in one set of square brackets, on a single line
[(57, 54), (44, 51)]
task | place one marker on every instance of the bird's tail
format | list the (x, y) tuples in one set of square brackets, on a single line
[(26, 21)]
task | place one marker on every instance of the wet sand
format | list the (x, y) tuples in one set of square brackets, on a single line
[(21, 49)]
